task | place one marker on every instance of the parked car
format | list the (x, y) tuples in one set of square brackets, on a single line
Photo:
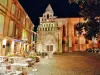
[(89, 50), (96, 50)]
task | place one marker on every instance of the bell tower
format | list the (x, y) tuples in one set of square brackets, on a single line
[(48, 15)]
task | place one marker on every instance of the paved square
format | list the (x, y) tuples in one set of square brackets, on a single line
[(75, 63)]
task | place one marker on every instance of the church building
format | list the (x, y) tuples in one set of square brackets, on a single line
[(58, 34)]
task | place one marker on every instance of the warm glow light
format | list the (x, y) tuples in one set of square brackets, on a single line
[(4, 42), (20, 44), (26, 39), (13, 43)]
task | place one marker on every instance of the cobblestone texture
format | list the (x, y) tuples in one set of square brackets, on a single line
[(75, 63)]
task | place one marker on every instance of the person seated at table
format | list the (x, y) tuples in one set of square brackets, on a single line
[(8, 66), (11, 61)]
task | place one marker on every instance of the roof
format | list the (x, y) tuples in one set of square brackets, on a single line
[(49, 8)]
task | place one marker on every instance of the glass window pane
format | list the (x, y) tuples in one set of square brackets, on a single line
[(13, 8), (10, 28), (2, 18), (3, 2)]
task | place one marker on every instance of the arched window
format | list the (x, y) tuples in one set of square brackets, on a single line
[(47, 16), (52, 25), (46, 29), (44, 25)]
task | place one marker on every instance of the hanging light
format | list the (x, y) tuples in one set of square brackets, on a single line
[(4, 42)]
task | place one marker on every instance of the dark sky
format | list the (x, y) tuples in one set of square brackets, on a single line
[(61, 8)]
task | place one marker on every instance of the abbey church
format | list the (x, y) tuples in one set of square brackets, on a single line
[(58, 34)]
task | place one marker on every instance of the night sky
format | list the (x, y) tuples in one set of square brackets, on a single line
[(61, 8)]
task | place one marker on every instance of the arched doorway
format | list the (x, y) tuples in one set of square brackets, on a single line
[(49, 44)]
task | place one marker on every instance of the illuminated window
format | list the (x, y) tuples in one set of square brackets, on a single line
[(10, 32), (13, 8), (3, 2), (2, 19)]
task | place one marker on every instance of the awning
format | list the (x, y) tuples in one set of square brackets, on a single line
[(16, 40)]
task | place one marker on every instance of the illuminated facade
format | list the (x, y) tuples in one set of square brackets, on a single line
[(16, 28), (58, 34), (48, 38)]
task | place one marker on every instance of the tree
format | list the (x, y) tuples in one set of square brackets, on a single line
[(91, 29), (89, 9)]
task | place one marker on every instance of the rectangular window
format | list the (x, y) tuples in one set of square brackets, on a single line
[(51, 47), (3, 2), (18, 14), (13, 8), (24, 34), (27, 24), (2, 19), (14, 33), (10, 32)]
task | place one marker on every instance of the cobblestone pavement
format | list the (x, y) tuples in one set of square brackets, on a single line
[(75, 63)]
